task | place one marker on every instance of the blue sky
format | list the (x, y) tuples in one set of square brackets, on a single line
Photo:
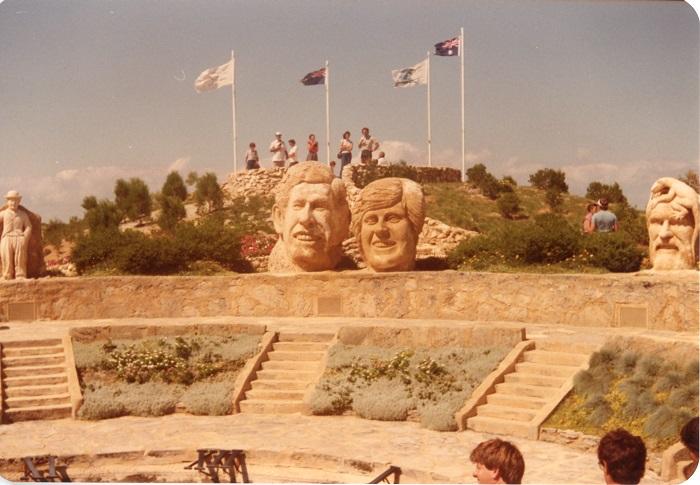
[(95, 90)]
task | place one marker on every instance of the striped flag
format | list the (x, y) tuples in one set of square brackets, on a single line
[(214, 78), (314, 78), (411, 76), (448, 47)]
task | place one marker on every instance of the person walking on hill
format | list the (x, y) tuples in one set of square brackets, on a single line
[(279, 150), (252, 160), (591, 209), (312, 147), (345, 151), (604, 220)]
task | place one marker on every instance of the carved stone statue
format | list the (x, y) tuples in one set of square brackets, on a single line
[(16, 227), (672, 221), (311, 217), (387, 218)]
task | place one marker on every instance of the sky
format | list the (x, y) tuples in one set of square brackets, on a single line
[(96, 90)]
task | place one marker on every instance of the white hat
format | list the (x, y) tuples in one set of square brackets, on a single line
[(277, 133), (13, 194)]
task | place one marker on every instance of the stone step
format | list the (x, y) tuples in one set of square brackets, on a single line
[(286, 375), (566, 346), (33, 370), (302, 356), (32, 360), (54, 411), (525, 390), (305, 337), (25, 391), (44, 380), (546, 369), (279, 385), (50, 342), (507, 427), (300, 346), (260, 406), (504, 412), (556, 358), (294, 365), (32, 401), (535, 380), (274, 395), (19, 351), (516, 401)]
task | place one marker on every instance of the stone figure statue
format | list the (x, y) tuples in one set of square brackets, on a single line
[(14, 241), (387, 218), (311, 217), (672, 221)]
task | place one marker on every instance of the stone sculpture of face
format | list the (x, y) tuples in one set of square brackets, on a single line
[(306, 226), (387, 239), (672, 217), (670, 238)]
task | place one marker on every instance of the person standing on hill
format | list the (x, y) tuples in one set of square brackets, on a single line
[(279, 150), (252, 160), (292, 153), (604, 220), (312, 147), (367, 145), (345, 151)]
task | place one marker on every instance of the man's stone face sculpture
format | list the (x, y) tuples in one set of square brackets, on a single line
[(387, 219), (387, 239), (672, 215), (311, 216)]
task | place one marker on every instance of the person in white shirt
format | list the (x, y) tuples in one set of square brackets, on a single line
[(279, 151), (292, 153), (381, 161), (367, 145)]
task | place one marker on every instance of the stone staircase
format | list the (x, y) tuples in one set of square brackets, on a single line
[(293, 364), (35, 380), (541, 379)]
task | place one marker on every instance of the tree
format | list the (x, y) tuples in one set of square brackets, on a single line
[(132, 198), (172, 211), (508, 205), (476, 174), (489, 185), (174, 186), (103, 215), (691, 178), (548, 178), (208, 191), (613, 193), (89, 202), (554, 198)]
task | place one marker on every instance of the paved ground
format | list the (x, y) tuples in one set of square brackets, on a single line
[(403, 444)]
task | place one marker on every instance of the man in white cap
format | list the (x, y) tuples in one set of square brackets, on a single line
[(279, 150), (14, 242)]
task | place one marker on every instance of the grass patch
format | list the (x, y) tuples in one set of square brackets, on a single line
[(149, 377), (388, 384), (640, 391)]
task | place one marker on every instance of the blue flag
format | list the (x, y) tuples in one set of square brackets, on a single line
[(448, 47), (316, 77)]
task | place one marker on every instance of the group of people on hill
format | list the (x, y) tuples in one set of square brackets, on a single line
[(287, 157), (599, 219), (621, 457)]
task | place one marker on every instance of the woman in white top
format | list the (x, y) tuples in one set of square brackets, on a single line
[(345, 151), (292, 153)]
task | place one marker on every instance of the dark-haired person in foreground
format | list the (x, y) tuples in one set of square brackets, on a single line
[(689, 437), (622, 457), (497, 461)]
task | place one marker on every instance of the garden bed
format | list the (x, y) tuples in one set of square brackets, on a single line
[(158, 376), (426, 385)]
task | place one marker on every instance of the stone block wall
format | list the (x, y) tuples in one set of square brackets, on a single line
[(658, 301), (424, 175)]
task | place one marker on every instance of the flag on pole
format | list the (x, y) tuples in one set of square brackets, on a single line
[(448, 47), (314, 78), (214, 78), (411, 76)]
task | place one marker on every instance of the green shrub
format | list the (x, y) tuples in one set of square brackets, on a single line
[(209, 398), (440, 416), (132, 198), (383, 400), (172, 211), (98, 249), (508, 205), (174, 186), (208, 194), (151, 256), (554, 198), (150, 399), (548, 178), (614, 251), (370, 173)]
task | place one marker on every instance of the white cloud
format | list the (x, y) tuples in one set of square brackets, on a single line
[(180, 164)]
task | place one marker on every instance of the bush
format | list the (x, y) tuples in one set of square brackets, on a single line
[(383, 400), (548, 178), (613, 193), (440, 416), (174, 186), (151, 399), (549, 239), (150, 256), (614, 251), (370, 173), (211, 239), (102, 215), (508, 205), (209, 398), (172, 211), (99, 248), (554, 198)]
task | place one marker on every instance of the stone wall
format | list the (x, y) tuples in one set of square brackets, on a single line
[(424, 175), (647, 300)]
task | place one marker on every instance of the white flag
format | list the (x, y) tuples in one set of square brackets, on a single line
[(411, 76), (215, 77)]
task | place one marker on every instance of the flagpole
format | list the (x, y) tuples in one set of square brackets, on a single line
[(430, 155), (233, 111), (461, 58), (328, 116)]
